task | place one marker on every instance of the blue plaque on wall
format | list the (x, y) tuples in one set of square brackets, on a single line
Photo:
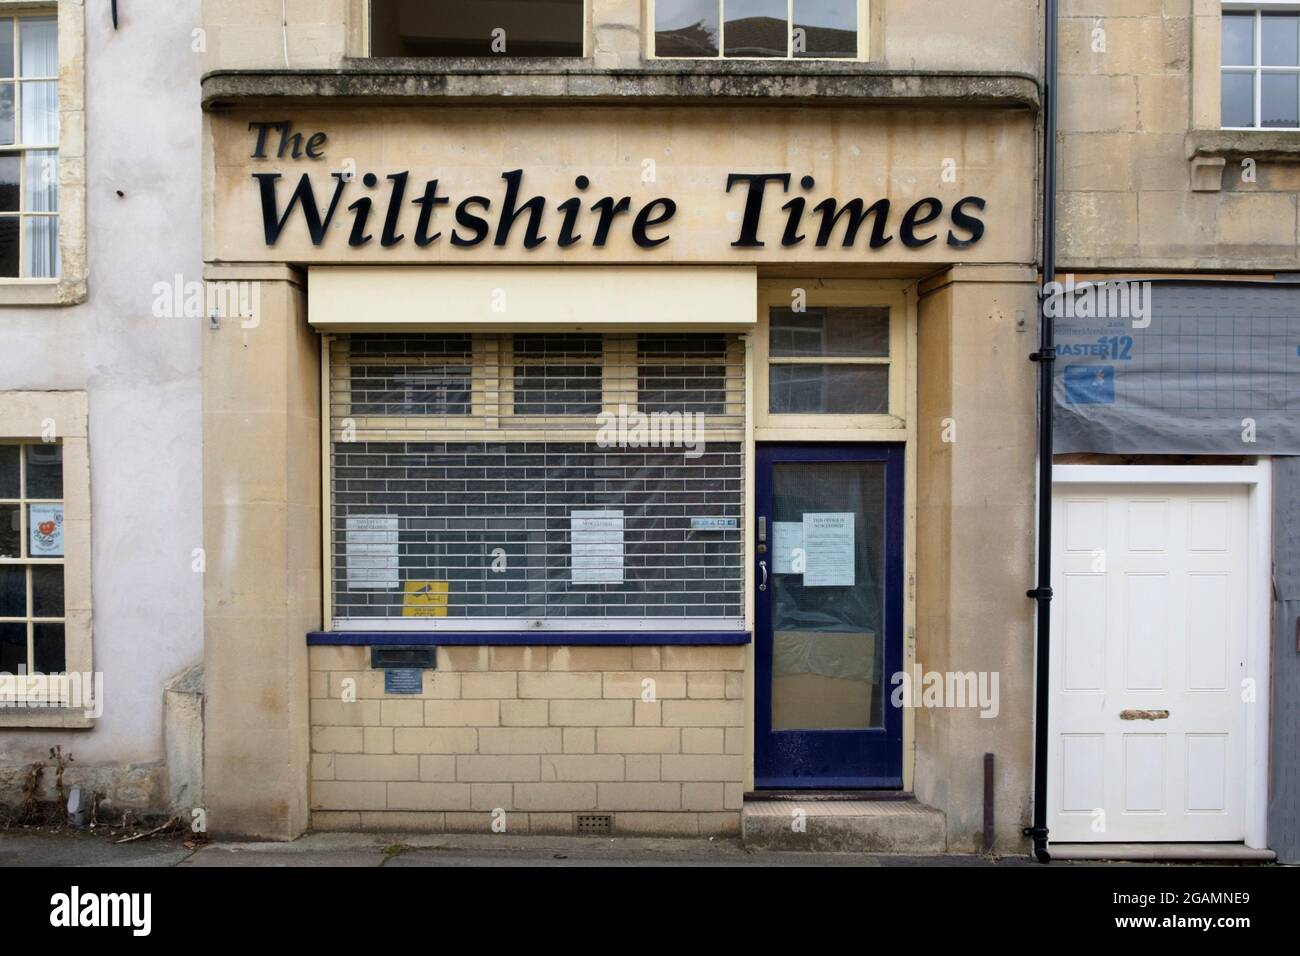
[(403, 680)]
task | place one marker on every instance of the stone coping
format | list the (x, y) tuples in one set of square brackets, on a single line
[(478, 81)]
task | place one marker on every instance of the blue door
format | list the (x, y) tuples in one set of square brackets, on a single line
[(828, 565)]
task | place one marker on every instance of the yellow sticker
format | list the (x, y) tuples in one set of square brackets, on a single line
[(425, 599)]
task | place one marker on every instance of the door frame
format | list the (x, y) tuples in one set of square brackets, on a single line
[(1257, 479), (899, 426)]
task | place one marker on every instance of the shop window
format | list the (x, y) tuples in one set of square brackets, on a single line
[(29, 147), (433, 28), (31, 559), (567, 497), (768, 29), (828, 361), (1261, 67)]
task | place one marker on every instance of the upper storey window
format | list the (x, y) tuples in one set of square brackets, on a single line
[(767, 29), (476, 28), (1261, 66), (29, 148)]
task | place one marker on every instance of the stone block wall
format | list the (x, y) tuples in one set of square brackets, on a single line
[(531, 737)]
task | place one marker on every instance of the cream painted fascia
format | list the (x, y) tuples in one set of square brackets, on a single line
[(30, 415), (70, 287), (533, 298)]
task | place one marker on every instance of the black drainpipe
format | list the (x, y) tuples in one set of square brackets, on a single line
[(1046, 359)]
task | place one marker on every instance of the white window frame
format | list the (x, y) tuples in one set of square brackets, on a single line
[(32, 418), (1257, 70), (69, 287), (864, 40)]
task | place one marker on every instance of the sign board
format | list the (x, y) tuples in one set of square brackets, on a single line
[(370, 545), (596, 543), (828, 549), (403, 680), (45, 530), (715, 524), (424, 599)]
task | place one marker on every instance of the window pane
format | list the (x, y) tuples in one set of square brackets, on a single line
[(47, 590), (41, 249), (466, 28), (40, 112), (1280, 39), (10, 164), (828, 389), (6, 46), (13, 648), (1238, 99), (45, 470), (39, 54), (9, 227), (1238, 39), (755, 27), (833, 332), (41, 184), (1279, 103), (47, 645), (10, 532), (13, 590), (9, 483), (686, 27), (6, 113), (827, 28)]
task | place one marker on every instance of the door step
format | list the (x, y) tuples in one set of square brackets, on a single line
[(843, 826), (1187, 852)]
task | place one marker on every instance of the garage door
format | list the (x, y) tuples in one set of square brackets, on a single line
[(1149, 629)]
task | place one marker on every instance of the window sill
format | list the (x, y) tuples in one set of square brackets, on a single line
[(41, 292), (1258, 144), (529, 638), (36, 718)]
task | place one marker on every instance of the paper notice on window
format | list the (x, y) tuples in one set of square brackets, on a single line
[(45, 531), (828, 549), (787, 547), (371, 554), (596, 545)]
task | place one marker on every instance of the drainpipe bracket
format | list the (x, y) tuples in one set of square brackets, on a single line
[(1044, 355), (1039, 594)]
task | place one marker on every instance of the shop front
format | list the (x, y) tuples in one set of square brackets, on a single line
[(615, 469)]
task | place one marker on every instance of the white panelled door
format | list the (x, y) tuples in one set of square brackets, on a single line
[(1149, 627)]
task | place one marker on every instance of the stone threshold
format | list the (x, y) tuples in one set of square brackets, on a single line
[(858, 825), (1183, 852)]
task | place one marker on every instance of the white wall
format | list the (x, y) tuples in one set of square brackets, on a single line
[(142, 374)]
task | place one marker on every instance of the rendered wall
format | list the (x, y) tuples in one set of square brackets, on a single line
[(141, 373)]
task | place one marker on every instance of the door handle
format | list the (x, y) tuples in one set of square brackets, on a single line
[(1144, 715), (762, 566)]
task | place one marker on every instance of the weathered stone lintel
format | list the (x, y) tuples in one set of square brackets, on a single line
[(471, 82)]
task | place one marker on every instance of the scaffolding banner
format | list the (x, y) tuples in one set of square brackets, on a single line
[(1170, 367)]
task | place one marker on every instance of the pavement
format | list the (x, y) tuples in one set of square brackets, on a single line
[(31, 847)]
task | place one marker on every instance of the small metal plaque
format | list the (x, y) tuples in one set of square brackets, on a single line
[(403, 680), (715, 524)]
